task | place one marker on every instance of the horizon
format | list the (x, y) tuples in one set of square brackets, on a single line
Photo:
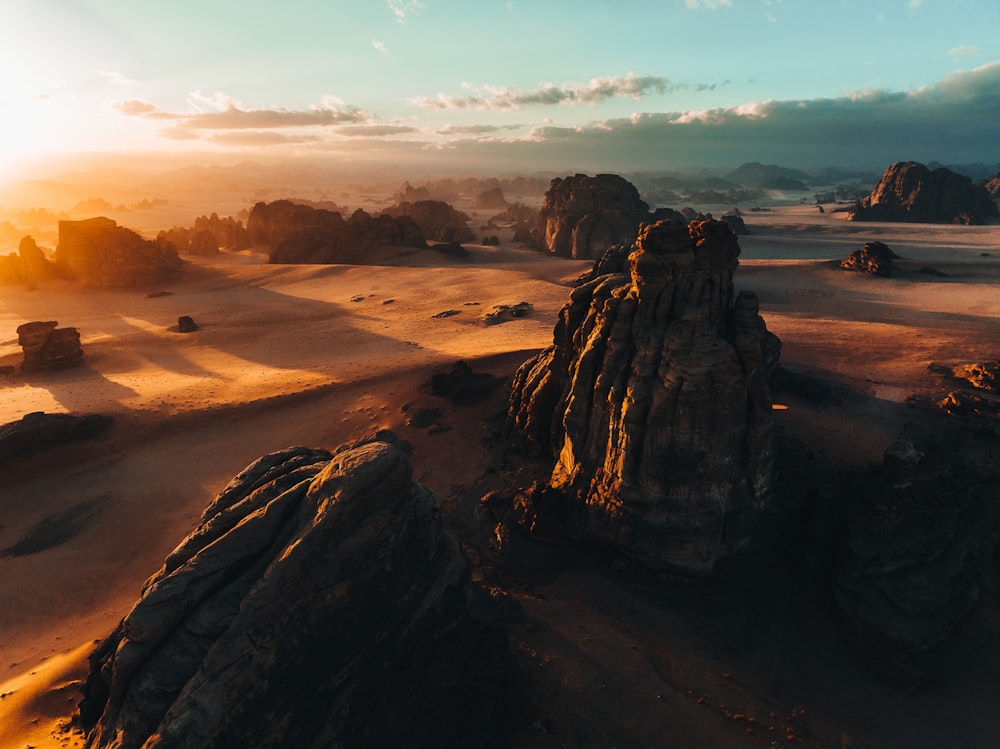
[(435, 86)]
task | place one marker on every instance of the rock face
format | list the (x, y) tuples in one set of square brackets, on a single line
[(438, 221), (992, 185), (28, 266), (319, 603), (490, 200), (921, 543), (909, 191), (583, 215), (47, 346), (875, 258), (654, 402), (39, 431), (302, 234), (101, 253)]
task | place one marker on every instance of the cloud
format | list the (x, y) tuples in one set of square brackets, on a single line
[(375, 131), (403, 8), (916, 4), (475, 129), (220, 112), (548, 94), (251, 138), (710, 4), (951, 121), (115, 78), (963, 52), (380, 46)]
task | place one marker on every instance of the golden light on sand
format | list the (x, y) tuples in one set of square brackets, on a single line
[(779, 407)]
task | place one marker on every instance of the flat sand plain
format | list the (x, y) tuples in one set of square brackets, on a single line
[(322, 355)]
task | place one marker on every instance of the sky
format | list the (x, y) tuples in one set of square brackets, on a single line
[(503, 85)]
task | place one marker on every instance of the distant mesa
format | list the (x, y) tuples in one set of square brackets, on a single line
[(208, 235), (47, 346), (438, 221), (875, 258), (297, 233), (654, 404), (909, 191), (583, 215), (100, 253), (492, 199), (769, 177), (320, 602)]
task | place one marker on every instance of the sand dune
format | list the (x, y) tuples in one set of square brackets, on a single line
[(319, 355)]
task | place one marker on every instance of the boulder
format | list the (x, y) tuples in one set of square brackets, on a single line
[(654, 403), (186, 324), (101, 253), (47, 346), (875, 258), (28, 266), (318, 603), (583, 215), (909, 191), (992, 185)]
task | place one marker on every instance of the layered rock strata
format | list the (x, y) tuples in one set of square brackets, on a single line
[(318, 603), (47, 346), (654, 402), (909, 191)]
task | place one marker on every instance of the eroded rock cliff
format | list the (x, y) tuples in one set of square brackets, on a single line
[(909, 191), (654, 403), (100, 253), (319, 603)]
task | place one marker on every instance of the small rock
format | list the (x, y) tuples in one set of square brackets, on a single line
[(186, 324)]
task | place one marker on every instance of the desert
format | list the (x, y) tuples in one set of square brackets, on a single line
[(325, 355)]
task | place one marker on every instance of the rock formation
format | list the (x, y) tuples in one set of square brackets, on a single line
[(39, 431), (583, 215), (438, 221), (992, 185), (654, 402), (319, 603), (101, 253), (490, 199), (909, 191), (875, 258), (302, 234), (208, 235), (29, 265), (47, 346), (921, 545), (186, 324)]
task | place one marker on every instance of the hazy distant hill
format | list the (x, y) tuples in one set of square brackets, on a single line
[(754, 174)]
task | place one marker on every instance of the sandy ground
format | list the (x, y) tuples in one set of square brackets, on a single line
[(320, 355)]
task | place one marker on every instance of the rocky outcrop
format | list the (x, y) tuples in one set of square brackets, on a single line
[(992, 185), (909, 191), (319, 603), (875, 258), (438, 221), (47, 346), (28, 266), (654, 402), (100, 253), (208, 235), (39, 431), (921, 545), (302, 234), (583, 215), (492, 199)]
